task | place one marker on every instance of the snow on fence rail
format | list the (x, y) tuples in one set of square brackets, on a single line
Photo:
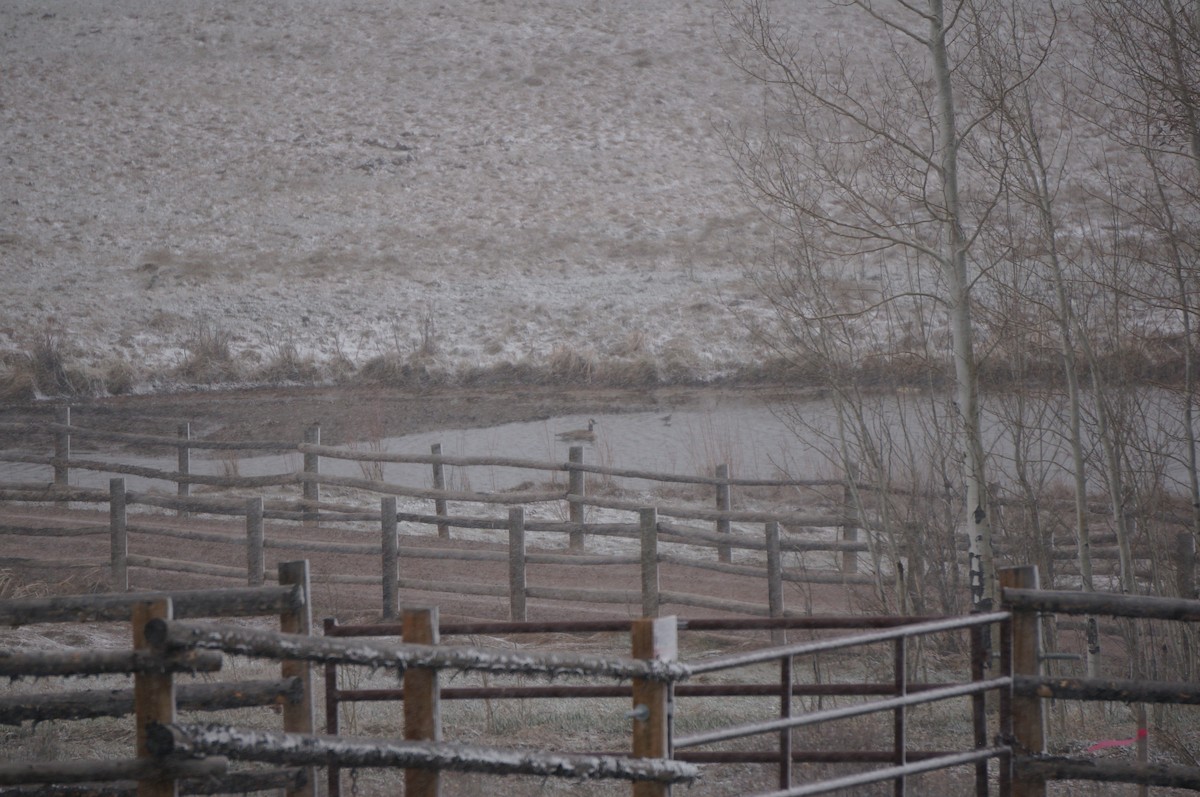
[(163, 646), (154, 696)]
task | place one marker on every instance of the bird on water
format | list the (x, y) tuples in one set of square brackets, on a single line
[(580, 435)]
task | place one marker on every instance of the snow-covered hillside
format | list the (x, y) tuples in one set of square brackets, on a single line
[(502, 180)]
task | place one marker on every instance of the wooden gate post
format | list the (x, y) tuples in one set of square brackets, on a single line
[(724, 504), (422, 700), (331, 714), (516, 564), (649, 534), (390, 545), (654, 639), (119, 531), (1023, 651), (439, 483), (183, 487), (312, 467), (255, 569), (576, 485), (299, 717), (153, 694)]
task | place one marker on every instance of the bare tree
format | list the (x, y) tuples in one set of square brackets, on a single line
[(867, 158)]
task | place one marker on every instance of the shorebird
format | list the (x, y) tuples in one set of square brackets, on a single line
[(580, 434)]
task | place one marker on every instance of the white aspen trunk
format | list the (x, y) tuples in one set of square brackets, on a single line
[(981, 563)]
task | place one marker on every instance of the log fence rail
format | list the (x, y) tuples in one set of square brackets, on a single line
[(837, 545), (154, 696), (1012, 736)]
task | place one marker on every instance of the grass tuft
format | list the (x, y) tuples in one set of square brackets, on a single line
[(210, 358)]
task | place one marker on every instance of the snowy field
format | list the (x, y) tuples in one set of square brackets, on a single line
[(503, 180)]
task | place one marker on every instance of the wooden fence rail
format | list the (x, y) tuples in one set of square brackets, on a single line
[(154, 697), (1022, 656), (387, 549), (162, 742), (716, 536)]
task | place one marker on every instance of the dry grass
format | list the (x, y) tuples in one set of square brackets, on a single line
[(287, 365), (210, 358)]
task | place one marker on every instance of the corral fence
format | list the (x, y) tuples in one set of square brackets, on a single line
[(829, 545), (1006, 750), (174, 756), (154, 696)]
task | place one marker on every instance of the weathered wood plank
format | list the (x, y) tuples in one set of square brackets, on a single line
[(123, 769), (1111, 604), (299, 716), (241, 782), (103, 662), (238, 602), (280, 748), (177, 566), (416, 492), (92, 703), (1164, 775), (1116, 690), (422, 700), (264, 644), (153, 696), (653, 639)]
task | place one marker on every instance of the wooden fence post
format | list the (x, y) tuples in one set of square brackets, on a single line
[(183, 487), (654, 639), (300, 717), (516, 564), (724, 504), (422, 700), (775, 581), (62, 449), (439, 483), (153, 694), (312, 467), (576, 485), (255, 568), (119, 532), (391, 556), (1028, 724), (649, 534), (334, 772)]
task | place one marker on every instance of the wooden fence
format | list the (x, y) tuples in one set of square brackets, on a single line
[(830, 546), (169, 751), (1012, 736), (154, 696)]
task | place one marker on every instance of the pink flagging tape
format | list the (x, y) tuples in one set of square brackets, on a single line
[(1141, 734)]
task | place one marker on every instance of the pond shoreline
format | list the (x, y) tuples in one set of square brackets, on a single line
[(356, 414)]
